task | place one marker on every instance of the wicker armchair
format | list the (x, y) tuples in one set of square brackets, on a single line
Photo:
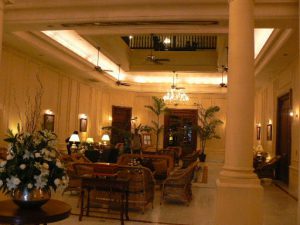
[(190, 158), (141, 185), (178, 186), (69, 162)]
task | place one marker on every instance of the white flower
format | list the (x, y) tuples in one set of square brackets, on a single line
[(9, 157), (27, 155), (1, 183), (22, 166), (58, 164), (53, 154), (57, 182), (12, 182), (29, 186), (3, 163), (37, 155), (41, 181), (65, 180), (45, 165), (45, 152)]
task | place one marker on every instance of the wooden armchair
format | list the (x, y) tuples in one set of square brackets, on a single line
[(178, 186)]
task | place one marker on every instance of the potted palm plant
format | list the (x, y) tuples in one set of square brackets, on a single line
[(206, 128), (158, 108)]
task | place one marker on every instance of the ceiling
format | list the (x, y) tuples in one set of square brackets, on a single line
[(104, 24)]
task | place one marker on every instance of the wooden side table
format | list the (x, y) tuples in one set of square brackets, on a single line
[(52, 211), (110, 185)]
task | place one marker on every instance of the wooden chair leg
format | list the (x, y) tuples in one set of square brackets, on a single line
[(81, 204)]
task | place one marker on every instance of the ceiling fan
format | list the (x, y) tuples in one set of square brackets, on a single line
[(152, 58), (97, 67), (119, 82), (224, 69)]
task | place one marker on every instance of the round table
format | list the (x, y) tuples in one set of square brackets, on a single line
[(52, 211)]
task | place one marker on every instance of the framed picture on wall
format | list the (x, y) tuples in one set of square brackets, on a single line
[(269, 132), (258, 129), (49, 122), (83, 125)]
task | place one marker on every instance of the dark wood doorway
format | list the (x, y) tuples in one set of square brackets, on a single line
[(283, 137), (178, 129), (121, 122)]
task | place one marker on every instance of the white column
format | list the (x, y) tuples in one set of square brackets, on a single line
[(239, 193), (1, 26)]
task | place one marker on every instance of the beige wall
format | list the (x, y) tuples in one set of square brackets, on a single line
[(266, 109), (68, 97)]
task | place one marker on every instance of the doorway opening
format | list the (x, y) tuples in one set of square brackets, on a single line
[(283, 137), (179, 129)]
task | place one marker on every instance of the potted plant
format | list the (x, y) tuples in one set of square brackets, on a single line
[(32, 166), (206, 128), (158, 108)]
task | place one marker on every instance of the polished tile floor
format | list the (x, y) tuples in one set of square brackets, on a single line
[(279, 207)]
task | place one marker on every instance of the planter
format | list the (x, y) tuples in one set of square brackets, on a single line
[(33, 198)]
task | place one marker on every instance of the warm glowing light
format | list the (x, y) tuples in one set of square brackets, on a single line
[(270, 121), (90, 140), (130, 37), (74, 42), (175, 96), (167, 41), (260, 38), (83, 116), (48, 112)]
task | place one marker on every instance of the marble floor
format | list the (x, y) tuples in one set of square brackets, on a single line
[(279, 207)]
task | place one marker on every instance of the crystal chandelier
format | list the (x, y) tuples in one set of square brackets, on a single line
[(175, 95)]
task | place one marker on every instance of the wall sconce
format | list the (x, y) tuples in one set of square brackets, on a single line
[(83, 123), (293, 114), (49, 120)]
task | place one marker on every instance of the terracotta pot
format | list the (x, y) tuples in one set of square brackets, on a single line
[(31, 198)]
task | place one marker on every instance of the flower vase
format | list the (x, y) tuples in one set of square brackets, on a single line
[(31, 198)]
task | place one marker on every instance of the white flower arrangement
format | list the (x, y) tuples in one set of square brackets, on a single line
[(32, 162)]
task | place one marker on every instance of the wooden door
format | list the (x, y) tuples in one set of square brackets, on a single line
[(283, 140), (178, 129), (121, 123)]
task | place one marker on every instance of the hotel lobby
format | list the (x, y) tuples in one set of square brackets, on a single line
[(98, 69)]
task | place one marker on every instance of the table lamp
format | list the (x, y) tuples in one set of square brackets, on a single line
[(74, 138), (90, 140), (105, 138)]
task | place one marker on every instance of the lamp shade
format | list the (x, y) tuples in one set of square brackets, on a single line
[(90, 140), (74, 138), (105, 137)]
